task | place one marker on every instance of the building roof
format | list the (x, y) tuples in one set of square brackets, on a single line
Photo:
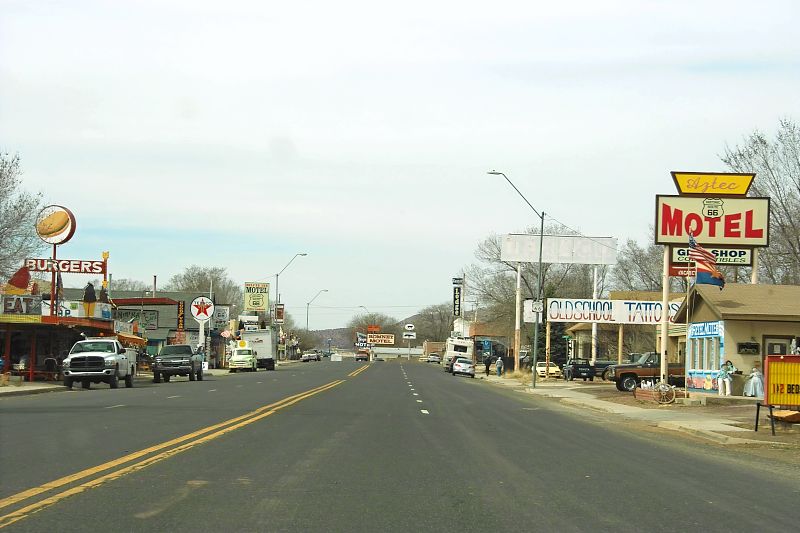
[(739, 301)]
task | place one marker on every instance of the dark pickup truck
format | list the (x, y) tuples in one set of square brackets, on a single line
[(578, 368), (630, 376)]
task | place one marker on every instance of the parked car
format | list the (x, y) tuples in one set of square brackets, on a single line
[(177, 360), (463, 366), (434, 358), (578, 368), (310, 356), (630, 376), (543, 369)]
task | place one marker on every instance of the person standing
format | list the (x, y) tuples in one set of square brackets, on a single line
[(499, 366), (487, 361)]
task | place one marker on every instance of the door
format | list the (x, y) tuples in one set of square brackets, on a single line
[(775, 345)]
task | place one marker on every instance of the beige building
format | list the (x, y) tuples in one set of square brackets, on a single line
[(742, 323)]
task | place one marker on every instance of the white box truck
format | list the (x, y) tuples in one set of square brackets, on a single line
[(264, 342)]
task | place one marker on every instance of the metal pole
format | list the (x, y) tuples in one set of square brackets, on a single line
[(538, 298), (308, 304), (664, 315), (517, 324)]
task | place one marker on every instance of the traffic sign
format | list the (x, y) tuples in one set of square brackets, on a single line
[(537, 306), (409, 335), (458, 281), (409, 327)]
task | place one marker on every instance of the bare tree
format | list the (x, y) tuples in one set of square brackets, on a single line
[(434, 322), (198, 279), (18, 211), (638, 268), (776, 164)]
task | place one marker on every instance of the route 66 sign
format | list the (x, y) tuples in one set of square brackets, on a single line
[(712, 208)]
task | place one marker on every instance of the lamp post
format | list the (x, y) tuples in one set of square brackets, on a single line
[(309, 304), (277, 276), (539, 277), (141, 312)]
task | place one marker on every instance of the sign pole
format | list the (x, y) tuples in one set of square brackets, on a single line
[(664, 315)]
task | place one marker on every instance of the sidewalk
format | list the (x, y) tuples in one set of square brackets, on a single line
[(722, 424)]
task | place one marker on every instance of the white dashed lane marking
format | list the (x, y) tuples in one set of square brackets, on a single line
[(419, 401), (114, 406), (170, 397), (424, 411), (415, 394), (212, 390)]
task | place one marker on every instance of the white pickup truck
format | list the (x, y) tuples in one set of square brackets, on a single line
[(99, 359), (243, 359)]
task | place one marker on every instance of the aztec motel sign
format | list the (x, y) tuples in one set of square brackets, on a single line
[(721, 221)]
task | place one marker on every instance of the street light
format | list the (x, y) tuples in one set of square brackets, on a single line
[(309, 304), (539, 277), (278, 294)]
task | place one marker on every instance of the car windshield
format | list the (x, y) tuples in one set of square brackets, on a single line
[(244, 352), (176, 349), (93, 347)]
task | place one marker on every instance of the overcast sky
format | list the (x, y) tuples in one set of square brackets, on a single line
[(237, 133)]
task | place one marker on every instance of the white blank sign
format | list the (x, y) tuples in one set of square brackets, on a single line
[(570, 249)]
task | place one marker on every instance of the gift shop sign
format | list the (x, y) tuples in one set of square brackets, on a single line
[(722, 221), (67, 266)]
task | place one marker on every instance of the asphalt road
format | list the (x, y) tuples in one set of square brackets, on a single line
[(394, 447)]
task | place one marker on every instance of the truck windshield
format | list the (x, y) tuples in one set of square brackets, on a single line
[(93, 347), (176, 350), (244, 352), (647, 359)]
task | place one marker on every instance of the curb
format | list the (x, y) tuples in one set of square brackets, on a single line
[(32, 391)]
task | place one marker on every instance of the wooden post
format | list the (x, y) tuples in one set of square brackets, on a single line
[(546, 352), (620, 338)]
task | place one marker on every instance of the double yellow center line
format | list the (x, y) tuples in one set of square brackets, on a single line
[(354, 373), (165, 449)]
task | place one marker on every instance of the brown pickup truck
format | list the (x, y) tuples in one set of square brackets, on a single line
[(630, 376)]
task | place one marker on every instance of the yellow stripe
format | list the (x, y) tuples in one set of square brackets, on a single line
[(354, 373), (237, 422)]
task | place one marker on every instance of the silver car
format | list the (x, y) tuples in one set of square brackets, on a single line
[(463, 366)]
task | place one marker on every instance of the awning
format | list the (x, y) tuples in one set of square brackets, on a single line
[(131, 340)]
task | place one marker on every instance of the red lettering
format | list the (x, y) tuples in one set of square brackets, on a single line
[(732, 225), (749, 231), (671, 221), (694, 224), (712, 226)]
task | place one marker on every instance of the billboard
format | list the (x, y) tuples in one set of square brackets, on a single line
[(712, 184), (256, 297), (607, 311), (722, 221), (568, 249), (149, 318), (280, 313), (380, 338)]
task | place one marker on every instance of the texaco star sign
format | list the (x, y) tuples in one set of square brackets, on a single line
[(202, 308)]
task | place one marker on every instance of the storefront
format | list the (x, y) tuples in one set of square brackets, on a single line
[(742, 324)]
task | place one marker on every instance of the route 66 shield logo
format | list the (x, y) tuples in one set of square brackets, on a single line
[(712, 208)]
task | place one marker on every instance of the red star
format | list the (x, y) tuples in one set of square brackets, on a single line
[(202, 308)]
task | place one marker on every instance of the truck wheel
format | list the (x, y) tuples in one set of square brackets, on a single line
[(166, 378), (607, 375), (86, 384), (200, 374), (156, 377), (129, 380), (232, 371), (619, 386), (628, 383), (591, 378), (191, 375), (68, 382), (113, 381)]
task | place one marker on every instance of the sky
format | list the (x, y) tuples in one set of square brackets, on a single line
[(240, 133)]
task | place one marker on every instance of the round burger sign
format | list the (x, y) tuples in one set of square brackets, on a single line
[(55, 224)]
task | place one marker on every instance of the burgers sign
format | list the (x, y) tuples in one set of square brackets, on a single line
[(55, 224)]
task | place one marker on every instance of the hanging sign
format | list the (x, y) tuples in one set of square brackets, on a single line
[(55, 224), (456, 301), (721, 221), (256, 297)]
